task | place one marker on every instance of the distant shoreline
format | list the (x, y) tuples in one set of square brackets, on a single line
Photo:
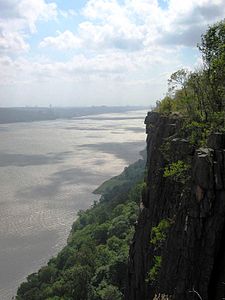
[(33, 114)]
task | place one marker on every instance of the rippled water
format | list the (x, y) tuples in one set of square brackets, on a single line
[(48, 171)]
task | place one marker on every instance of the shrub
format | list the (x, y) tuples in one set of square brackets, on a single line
[(177, 170), (154, 271), (158, 233)]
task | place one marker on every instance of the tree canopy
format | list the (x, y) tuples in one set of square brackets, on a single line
[(93, 264), (200, 95)]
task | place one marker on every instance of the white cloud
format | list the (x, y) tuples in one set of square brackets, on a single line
[(34, 10), (103, 10), (17, 17), (126, 45), (79, 68), (12, 41), (88, 81), (111, 36), (63, 41), (68, 13), (109, 65), (187, 20), (141, 24)]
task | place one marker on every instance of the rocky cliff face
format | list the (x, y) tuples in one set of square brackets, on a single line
[(178, 250)]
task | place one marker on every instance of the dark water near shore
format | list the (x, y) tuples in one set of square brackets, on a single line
[(48, 171)]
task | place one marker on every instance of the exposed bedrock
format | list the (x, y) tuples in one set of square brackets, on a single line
[(178, 250)]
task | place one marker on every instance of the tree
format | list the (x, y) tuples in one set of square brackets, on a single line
[(77, 282), (213, 53), (197, 83), (110, 292), (165, 105), (213, 44), (200, 95), (180, 92), (100, 233), (178, 80)]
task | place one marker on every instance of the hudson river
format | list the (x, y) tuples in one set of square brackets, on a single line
[(48, 171)]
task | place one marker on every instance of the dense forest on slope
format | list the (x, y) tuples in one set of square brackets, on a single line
[(93, 265)]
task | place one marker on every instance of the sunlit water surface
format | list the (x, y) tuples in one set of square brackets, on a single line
[(48, 171)]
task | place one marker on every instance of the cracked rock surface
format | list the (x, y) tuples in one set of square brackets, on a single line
[(193, 252)]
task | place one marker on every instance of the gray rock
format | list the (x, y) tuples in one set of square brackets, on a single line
[(216, 141)]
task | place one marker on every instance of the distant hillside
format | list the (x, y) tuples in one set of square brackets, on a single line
[(30, 114)]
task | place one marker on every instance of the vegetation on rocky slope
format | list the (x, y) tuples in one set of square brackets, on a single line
[(93, 265), (199, 96)]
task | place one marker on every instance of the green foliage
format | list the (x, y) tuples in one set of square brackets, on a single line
[(165, 150), (100, 234), (218, 121), (159, 232), (154, 271), (158, 237), (109, 292), (177, 170), (197, 132), (199, 95), (93, 265), (165, 105), (178, 80), (213, 50), (125, 178), (136, 192)]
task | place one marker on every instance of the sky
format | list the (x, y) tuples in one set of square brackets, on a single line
[(98, 52)]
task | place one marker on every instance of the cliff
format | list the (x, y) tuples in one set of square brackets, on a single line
[(178, 249)]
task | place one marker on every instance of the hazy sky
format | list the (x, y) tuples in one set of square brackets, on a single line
[(98, 51)]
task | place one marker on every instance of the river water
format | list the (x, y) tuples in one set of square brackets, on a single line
[(48, 171)]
